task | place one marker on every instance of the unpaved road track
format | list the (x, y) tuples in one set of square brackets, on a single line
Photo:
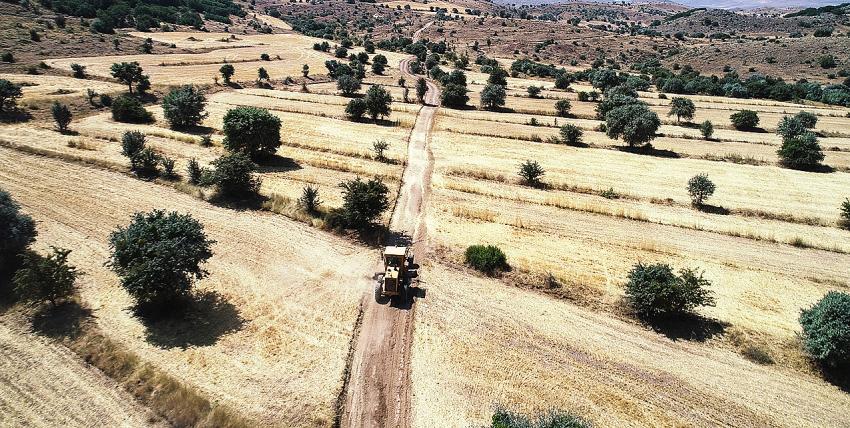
[(378, 391)]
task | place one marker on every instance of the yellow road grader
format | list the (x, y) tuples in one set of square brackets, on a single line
[(398, 274)]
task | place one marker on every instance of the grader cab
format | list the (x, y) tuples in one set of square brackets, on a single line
[(397, 275)]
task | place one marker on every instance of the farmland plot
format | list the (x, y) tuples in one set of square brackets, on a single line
[(276, 325), (56, 88)]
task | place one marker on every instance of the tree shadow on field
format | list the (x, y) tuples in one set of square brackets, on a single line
[(691, 327), (838, 376), (64, 320), (712, 209), (200, 320), (277, 163), (16, 115), (649, 150), (195, 130)]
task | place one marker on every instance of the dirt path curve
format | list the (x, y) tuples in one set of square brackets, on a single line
[(378, 387)]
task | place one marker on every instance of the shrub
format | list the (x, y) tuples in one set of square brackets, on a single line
[(503, 418), (493, 96), (159, 255), (826, 329), (378, 102), (61, 115), (531, 172), (9, 94), (379, 147), (265, 57), (147, 162), (534, 91), (184, 106), (168, 165), (355, 109), (809, 120), (234, 176), (682, 107), (363, 201), (128, 73), (105, 100), (309, 199), (130, 110), (17, 232), (251, 130), (700, 188), (845, 214), (227, 72), (45, 278), (421, 90), (378, 67), (194, 171), (706, 129), (744, 119), (348, 85), (132, 143), (634, 123), (801, 152), (654, 290), (485, 258), (79, 71), (790, 127), (562, 108), (571, 135)]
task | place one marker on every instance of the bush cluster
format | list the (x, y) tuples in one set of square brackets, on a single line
[(486, 258), (654, 290)]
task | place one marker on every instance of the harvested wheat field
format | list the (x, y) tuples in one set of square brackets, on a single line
[(52, 88), (43, 384), (542, 353), (276, 326)]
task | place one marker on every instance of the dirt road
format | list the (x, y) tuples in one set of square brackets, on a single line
[(378, 388)]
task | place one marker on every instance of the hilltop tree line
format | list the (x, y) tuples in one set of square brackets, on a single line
[(144, 15)]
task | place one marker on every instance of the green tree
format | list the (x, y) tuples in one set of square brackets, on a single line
[(234, 176), (604, 79), (130, 110), (634, 123), (421, 89), (534, 91), (251, 130), (305, 70), (700, 188), (655, 291), (184, 106), (158, 256), (309, 199), (79, 71), (790, 127), (744, 119), (809, 120), (132, 143), (682, 107), (227, 72), (262, 74), (379, 64), (380, 147), (498, 77), (571, 135), (844, 220), (128, 73), (348, 85), (363, 201), (493, 96), (454, 95), (801, 151), (355, 109), (707, 129), (826, 329), (61, 115), (378, 102), (17, 232), (562, 108), (530, 171), (45, 278), (9, 94)]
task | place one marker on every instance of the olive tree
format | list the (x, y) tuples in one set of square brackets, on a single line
[(9, 94), (128, 73), (844, 220), (700, 188), (654, 290), (43, 278), (158, 256), (826, 329), (706, 129), (348, 85), (363, 201), (184, 106), (378, 101), (227, 72), (251, 130), (17, 232), (562, 108), (234, 176), (355, 109), (636, 124), (421, 89), (744, 119), (801, 151), (571, 135), (493, 96), (682, 107)]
